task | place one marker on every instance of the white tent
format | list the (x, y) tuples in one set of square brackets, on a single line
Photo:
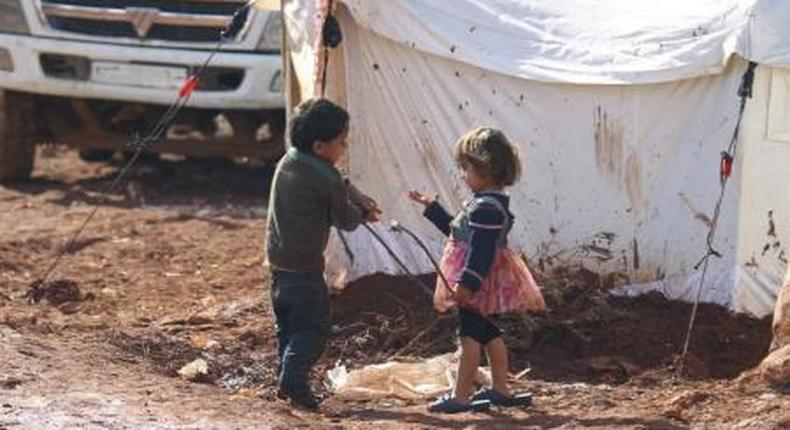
[(621, 110)]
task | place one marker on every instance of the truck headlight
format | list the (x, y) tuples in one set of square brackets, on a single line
[(12, 17), (272, 38)]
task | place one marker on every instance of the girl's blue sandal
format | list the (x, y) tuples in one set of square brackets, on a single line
[(498, 399), (447, 404)]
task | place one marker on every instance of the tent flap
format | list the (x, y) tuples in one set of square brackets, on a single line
[(586, 41)]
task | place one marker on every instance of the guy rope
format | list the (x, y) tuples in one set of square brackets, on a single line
[(725, 171)]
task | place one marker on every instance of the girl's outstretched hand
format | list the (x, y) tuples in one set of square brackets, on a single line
[(421, 198)]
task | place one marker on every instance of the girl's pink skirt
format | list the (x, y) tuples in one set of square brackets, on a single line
[(509, 287)]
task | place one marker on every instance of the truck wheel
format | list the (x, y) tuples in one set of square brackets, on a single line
[(17, 135)]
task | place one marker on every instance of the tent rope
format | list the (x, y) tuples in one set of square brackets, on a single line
[(397, 260), (725, 171), (400, 228)]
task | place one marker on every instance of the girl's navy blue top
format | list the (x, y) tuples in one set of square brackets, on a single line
[(488, 225)]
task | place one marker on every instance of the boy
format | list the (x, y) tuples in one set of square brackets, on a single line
[(308, 196)]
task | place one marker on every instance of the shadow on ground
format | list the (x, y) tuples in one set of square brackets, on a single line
[(211, 183)]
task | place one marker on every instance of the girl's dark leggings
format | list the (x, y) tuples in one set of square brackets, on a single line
[(480, 329)]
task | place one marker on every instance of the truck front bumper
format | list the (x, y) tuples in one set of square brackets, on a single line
[(259, 87)]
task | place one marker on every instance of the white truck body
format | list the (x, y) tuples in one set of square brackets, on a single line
[(93, 73), (147, 68)]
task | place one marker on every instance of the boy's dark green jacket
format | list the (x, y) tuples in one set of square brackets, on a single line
[(308, 196)]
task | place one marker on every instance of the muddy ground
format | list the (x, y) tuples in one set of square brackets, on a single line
[(170, 270)]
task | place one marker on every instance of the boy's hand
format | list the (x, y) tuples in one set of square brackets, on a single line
[(370, 206), (463, 294), (372, 210), (421, 198)]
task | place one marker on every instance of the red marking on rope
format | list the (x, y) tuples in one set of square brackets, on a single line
[(189, 86), (725, 167)]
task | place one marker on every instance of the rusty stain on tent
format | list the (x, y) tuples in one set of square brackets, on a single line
[(699, 214), (614, 160), (608, 144), (633, 179)]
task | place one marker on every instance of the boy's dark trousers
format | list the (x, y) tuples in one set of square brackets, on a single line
[(301, 305)]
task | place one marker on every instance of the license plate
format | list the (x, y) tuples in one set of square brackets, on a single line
[(138, 75)]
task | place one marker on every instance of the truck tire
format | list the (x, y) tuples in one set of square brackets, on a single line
[(17, 135)]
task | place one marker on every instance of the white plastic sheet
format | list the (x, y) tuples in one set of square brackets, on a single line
[(402, 380)]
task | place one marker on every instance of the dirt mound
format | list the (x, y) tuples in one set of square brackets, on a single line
[(587, 335), (380, 316), (644, 333)]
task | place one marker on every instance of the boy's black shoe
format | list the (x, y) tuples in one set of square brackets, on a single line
[(304, 400)]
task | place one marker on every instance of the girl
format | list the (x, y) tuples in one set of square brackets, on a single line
[(486, 277)]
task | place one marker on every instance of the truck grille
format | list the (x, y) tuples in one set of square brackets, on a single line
[(184, 21)]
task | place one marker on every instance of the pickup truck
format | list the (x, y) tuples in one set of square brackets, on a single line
[(93, 74)]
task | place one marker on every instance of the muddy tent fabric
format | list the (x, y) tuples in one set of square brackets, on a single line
[(620, 113)]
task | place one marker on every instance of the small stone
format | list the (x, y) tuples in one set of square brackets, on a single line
[(109, 293), (194, 370)]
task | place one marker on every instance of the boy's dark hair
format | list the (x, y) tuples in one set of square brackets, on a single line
[(490, 152), (316, 119)]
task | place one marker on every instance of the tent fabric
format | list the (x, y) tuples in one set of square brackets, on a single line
[(779, 109), (618, 178), (586, 41), (617, 186), (733, 288), (767, 36), (571, 41), (367, 255), (579, 41)]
